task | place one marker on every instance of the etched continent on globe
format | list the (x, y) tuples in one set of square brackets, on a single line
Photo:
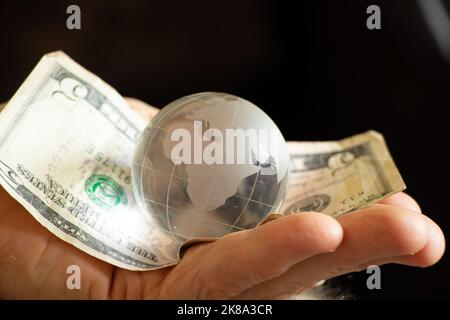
[(210, 164)]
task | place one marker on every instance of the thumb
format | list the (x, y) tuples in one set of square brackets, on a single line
[(143, 109)]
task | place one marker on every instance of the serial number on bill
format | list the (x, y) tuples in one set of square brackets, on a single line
[(226, 309)]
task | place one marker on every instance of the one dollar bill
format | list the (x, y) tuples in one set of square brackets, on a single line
[(66, 146), (337, 177)]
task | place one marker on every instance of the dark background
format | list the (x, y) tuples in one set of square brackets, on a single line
[(313, 66)]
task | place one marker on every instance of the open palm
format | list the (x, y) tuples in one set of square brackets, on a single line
[(275, 260)]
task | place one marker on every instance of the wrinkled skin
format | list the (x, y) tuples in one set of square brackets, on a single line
[(276, 260)]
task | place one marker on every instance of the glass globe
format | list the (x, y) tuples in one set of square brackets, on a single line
[(210, 164)]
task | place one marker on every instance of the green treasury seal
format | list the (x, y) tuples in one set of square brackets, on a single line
[(105, 192)]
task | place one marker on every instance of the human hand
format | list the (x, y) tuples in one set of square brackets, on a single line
[(275, 260)]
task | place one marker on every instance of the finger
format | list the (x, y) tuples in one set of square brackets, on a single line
[(429, 255), (435, 247), (402, 199), (374, 233), (143, 109), (238, 261)]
